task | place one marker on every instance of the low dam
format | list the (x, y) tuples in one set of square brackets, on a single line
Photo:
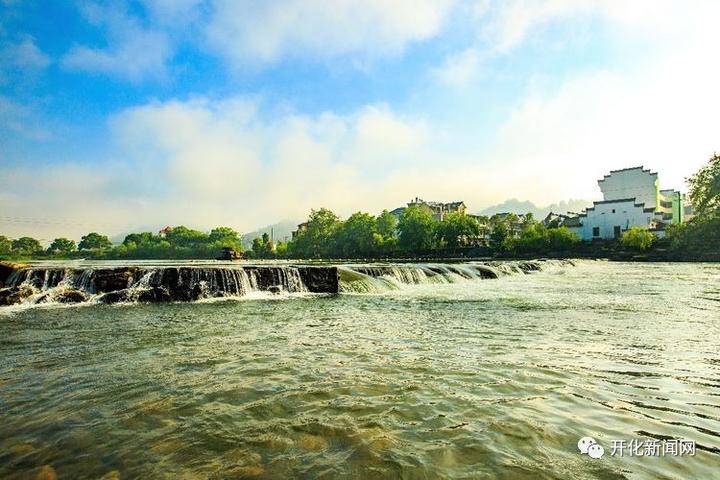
[(71, 282)]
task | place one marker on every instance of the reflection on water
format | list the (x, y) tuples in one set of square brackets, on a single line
[(481, 379)]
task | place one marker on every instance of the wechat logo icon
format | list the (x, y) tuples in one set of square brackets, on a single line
[(588, 446)]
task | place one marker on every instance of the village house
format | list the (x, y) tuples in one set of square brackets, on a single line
[(631, 198), (437, 209)]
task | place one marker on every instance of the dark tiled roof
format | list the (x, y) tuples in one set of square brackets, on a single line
[(627, 170)]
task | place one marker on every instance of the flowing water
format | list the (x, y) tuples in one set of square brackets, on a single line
[(410, 372)]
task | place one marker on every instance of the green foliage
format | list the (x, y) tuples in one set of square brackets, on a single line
[(356, 236), (702, 233), (561, 239), (26, 246), (386, 225), (94, 241), (637, 238), (61, 246), (226, 237), (5, 245), (458, 229), (281, 249), (317, 239), (499, 236), (705, 189), (533, 238), (417, 229), (183, 236), (537, 238), (262, 247), (179, 243)]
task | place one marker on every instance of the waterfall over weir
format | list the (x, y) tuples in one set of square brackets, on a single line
[(29, 284)]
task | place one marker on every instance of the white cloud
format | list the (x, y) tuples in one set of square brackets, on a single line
[(21, 119), (459, 68), (24, 55), (133, 52), (248, 32), (662, 115)]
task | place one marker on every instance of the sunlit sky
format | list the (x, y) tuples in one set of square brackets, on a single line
[(120, 116)]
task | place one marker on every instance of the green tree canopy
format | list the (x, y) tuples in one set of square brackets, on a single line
[(356, 236), (499, 235), (637, 238), (5, 245), (705, 189), (386, 224), (94, 241), (26, 246), (141, 239), (61, 246), (561, 239), (457, 229), (183, 236), (262, 247), (225, 236), (317, 238), (417, 229)]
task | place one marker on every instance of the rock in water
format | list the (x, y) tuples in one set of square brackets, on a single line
[(71, 296), (46, 473), (320, 279), (229, 253), (15, 295), (112, 280)]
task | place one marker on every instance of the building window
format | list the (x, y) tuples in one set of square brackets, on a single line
[(613, 210), (616, 231), (596, 231)]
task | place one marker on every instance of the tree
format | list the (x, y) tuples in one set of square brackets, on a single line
[(457, 229), (26, 246), (5, 245), (637, 238), (417, 229), (263, 247), (386, 224), (185, 237), (356, 236), (61, 246), (704, 189), (499, 235), (317, 237), (561, 239), (94, 241), (533, 238), (702, 233), (225, 236), (141, 239)]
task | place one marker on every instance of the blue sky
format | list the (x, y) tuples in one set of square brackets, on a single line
[(130, 115)]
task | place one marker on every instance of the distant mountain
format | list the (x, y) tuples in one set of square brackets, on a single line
[(516, 206), (280, 231)]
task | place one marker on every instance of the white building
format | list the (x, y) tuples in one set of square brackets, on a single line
[(631, 198)]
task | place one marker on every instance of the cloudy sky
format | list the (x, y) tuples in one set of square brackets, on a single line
[(127, 115)]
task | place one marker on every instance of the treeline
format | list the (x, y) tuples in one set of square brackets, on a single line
[(324, 235), (176, 243), (416, 232)]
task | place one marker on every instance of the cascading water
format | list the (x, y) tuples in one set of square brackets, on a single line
[(379, 278), (112, 284), (32, 285)]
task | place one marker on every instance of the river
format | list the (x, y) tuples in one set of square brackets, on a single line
[(394, 377)]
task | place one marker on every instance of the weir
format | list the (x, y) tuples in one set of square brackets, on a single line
[(29, 284)]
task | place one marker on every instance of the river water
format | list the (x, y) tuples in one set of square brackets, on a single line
[(472, 379)]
